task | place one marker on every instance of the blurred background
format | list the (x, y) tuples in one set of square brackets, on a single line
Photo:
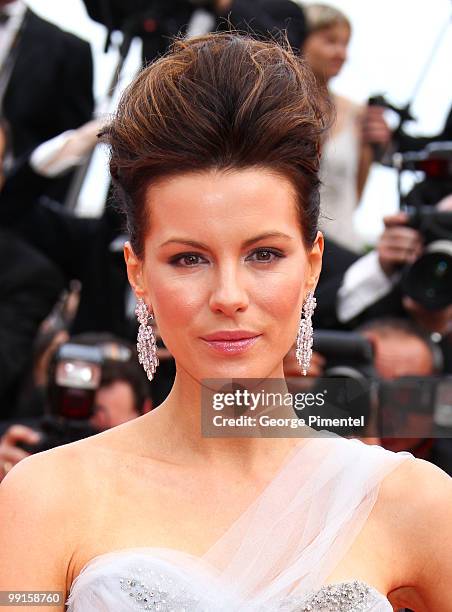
[(389, 49)]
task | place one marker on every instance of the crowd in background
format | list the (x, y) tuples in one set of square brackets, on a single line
[(64, 295)]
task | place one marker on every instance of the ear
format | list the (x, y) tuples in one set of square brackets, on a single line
[(134, 271), (315, 262)]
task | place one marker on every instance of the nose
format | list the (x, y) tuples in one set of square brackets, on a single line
[(228, 295)]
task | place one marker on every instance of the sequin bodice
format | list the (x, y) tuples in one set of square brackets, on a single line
[(125, 581)]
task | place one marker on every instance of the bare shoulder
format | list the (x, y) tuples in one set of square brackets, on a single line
[(416, 491), (415, 502), (35, 534), (41, 481), (45, 508), (415, 484), (53, 474)]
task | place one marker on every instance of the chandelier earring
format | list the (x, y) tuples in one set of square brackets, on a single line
[(303, 350), (146, 344)]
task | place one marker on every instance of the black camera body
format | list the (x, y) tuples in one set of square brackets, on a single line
[(435, 161), (428, 280), (156, 22), (409, 406), (347, 354), (347, 382)]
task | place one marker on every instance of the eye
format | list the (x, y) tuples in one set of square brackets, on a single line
[(265, 255), (187, 260)]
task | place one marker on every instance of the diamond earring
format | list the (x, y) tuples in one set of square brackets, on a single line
[(146, 344), (303, 351)]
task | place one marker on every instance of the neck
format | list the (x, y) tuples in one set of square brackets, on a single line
[(184, 422)]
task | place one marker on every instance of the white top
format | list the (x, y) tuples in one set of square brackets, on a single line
[(364, 283), (339, 175), (278, 555)]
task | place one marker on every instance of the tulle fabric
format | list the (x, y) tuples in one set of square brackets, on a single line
[(281, 549)]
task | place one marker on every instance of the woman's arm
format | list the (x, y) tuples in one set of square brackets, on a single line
[(35, 528), (366, 155), (366, 158), (423, 527), (352, 115), (432, 492)]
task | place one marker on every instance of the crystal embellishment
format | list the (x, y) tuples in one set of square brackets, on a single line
[(161, 596), (354, 596), (164, 595), (303, 351), (146, 343)]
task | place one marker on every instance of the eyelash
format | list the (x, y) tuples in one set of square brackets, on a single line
[(176, 260)]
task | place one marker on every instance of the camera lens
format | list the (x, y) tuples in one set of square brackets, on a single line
[(441, 268), (429, 280)]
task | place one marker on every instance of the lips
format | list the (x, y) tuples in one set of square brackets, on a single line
[(231, 342), (233, 335)]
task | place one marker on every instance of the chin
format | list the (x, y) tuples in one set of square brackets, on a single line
[(334, 72), (243, 370)]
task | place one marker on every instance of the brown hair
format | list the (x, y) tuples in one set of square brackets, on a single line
[(322, 16), (223, 101)]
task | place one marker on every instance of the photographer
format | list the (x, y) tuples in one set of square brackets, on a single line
[(46, 85), (432, 188), (122, 395), (157, 22), (29, 286), (373, 286), (82, 248), (402, 349), (378, 132)]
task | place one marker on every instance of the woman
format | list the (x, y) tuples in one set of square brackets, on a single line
[(346, 156), (215, 152)]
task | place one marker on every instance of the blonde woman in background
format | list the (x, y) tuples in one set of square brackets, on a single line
[(347, 157)]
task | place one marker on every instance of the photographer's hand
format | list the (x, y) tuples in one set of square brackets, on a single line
[(375, 130), (398, 245), (10, 454)]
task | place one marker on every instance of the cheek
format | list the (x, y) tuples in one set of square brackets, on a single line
[(177, 301), (319, 52), (280, 294)]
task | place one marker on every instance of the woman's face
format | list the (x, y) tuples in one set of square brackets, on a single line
[(326, 50), (225, 271)]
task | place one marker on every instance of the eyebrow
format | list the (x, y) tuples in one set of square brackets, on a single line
[(201, 245)]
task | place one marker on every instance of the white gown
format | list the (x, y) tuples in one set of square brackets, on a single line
[(339, 174), (277, 556)]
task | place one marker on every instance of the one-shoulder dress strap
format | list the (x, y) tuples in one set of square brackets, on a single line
[(291, 539)]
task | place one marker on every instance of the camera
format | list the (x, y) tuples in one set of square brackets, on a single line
[(156, 22), (74, 377), (435, 161), (428, 280), (403, 407), (346, 384)]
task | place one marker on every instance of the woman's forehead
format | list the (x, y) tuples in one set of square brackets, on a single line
[(222, 202)]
